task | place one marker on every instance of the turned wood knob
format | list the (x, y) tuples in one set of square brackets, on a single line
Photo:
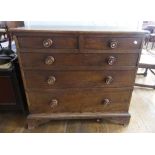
[(47, 43), (49, 60), (113, 44), (111, 60), (53, 103), (51, 80), (106, 101), (108, 80)]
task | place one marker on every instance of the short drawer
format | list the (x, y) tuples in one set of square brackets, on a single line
[(79, 100), (53, 60), (91, 42), (78, 79), (53, 42)]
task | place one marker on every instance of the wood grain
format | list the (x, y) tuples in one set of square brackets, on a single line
[(91, 42), (78, 30), (37, 60), (58, 42), (38, 79), (78, 98)]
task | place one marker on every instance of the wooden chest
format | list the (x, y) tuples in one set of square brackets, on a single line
[(74, 73)]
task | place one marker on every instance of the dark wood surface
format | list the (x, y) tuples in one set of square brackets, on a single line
[(41, 79), (92, 42), (86, 42), (7, 95), (68, 54), (60, 42), (12, 95), (37, 60), (79, 100), (57, 29)]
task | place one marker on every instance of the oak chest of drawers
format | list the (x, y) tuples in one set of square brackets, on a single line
[(78, 73)]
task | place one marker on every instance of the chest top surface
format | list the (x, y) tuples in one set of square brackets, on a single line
[(78, 29)]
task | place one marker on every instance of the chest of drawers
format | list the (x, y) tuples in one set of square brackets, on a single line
[(78, 74)]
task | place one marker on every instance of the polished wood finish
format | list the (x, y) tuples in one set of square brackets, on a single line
[(45, 30), (106, 43), (60, 42), (79, 100), (41, 79), (78, 74), (71, 42), (38, 60)]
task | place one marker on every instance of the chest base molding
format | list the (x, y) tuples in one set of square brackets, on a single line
[(34, 120)]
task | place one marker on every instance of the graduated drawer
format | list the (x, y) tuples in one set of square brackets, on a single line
[(78, 79), (53, 60), (92, 42), (79, 100), (44, 42)]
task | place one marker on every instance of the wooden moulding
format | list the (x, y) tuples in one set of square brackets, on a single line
[(34, 120)]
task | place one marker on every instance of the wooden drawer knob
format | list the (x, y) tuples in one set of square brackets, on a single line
[(113, 44), (49, 60), (53, 103), (106, 101), (111, 60), (47, 43), (108, 80), (51, 80)]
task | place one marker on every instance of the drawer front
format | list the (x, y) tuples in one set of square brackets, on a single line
[(111, 43), (78, 79), (49, 61), (55, 42), (79, 100)]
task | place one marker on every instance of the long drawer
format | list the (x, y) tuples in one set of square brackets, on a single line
[(79, 100), (52, 60), (41, 79)]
